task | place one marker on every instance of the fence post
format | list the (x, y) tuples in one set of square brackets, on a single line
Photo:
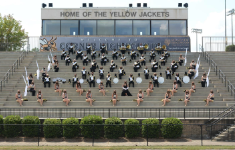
[(93, 135), (109, 112), (211, 132), (216, 70), (38, 133), (1, 86), (147, 135), (201, 136), (184, 113)]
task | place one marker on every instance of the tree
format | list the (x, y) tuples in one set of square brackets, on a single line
[(12, 36)]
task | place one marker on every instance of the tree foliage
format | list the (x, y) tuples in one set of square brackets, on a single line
[(12, 36)]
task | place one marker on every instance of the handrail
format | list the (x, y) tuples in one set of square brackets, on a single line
[(11, 71)]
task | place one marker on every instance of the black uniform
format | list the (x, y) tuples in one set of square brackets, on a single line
[(85, 60), (103, 60), (93, 66), (146, 73), (131, 81), (178, 80), (92, 80), (174, 66), (123, 61), (136, 66), (79, 54), (141, 51), (70, 49), (152, 55), (84, 74), (102, 49), (108, 81), (168, 74), (56, 68), (133, 55), (155, 80), (112, 66), (75, 79), (154, 66), (115, 54), (101, 73), (63, 55), (88, 49), (47, 81), (67, 61), (163, 60), (144, 61), (93, 55), (75, 66), (121, 72)]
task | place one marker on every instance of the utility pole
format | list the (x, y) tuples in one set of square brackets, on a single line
[(196, 31)]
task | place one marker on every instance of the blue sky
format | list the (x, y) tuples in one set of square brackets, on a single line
[(205, 14)]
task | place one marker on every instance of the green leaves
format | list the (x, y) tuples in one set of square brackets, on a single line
[(110, 130), (31, 130), (1, 126), (230, 48), (12, 130), (52, 128), (132, 128), (171, 128), (70, 131), (151, 130)]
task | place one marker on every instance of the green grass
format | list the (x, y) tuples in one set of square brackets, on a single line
[(111, 148)]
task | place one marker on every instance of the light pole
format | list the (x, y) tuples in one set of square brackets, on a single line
[(193, 30), (231, 12)]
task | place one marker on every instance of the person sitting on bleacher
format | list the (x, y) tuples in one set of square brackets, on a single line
[(155, 80), (112, 66), (181, 60), (133, 54), (125, 91), (167, 98), (115, 54), (30, 78), (203, 80), (162, 60), (32, 88), (140, 97), (103, 59), (93, 66), (47, 81), (191, 72), (193, 88), (88, 49), (150, 88), (65, 97), (79, 88), (40, 97), (152, 54), (56, 66), (92, 79), (146, 72), (74, 80), (175, 88), (193, 64), (75, 66), (101, 88), (93, 54), (57, 88), (79, 54), (177, 78), (114, 97), (131, 80), (63, 54), (154, 65), (174, 66), (83, 73), (101, 73), (136, 66), (67, 60), (186, 97), (89, 97), (142, 60), (121, 72), (44, 72), (123, 60), (54, 59), (71, 48), (108, 80), (166, 54), (85, 60), (168, 73), (210, 98), (18, 97)]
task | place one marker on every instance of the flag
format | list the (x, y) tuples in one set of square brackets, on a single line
[(207, 79), (25, 90), (185, 61), (49, 67), (197, 67), (38, 71), (26, 78)]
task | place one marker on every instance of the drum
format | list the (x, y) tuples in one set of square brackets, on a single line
[(138, 80), (115, 80), (160, 80), (186, 79), (98, 81), (81, 81)]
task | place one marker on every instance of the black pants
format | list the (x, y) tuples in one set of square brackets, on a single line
[(155, 82), (152, 57), (143, 63), (79, 56), (123, 51), (181, 62), (84, 76), (146, 76), (168, 75), (111, 69), (115, 56), (43, 77), (131, 82), (141, 51), (32, 91), (136, 69), (67, 63), (74, 83), (159, 52), (190, 75), (102, 51), (30, 81), (103, 63), (203, 83), (93, 57), (88, 51), (133, 57), (163, 62), (85, 62), (62, 57), (70, 51), (179, 82), (92, 82), (101, 76), (74, 69), (92, 69), (120, 75), (47, 82), (154, 69), (56, 69), (173, 70), (108, 83), (124, 63)]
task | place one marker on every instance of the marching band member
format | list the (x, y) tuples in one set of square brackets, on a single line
[(125, 91), (162, 60), (186, 97), (57, 88), (56, 66), (75, 79), (154, 65), (44, 72), (155, 80), (193, 64), (75, 65), (174, 66), (40, 97), (93, 54), (79, 54), (121, 72), (71, 48), (177, 78), (88, 49), (83, 73), (54, 59), (140, 97), (166, 54), (63, 54), (168, 73), (92, 79), (146, 72), (114, 54), (133, 54), (101, 88), (103, 59), (114, 97), (67, 60), (210, 98), (131, 80), (123, 48), (18, 97), (30, 77), (103, 49), (85, 60), (203, 80), (167, 97), (65, 97), (32, 88), (108, 80), (136, 66), (150, 88), (112, 66), (142, 60), (191, 72), (181, 60), (141, 50), (123, 60), (152, 54), (101, 72), (193, 88), (93, 66), (47, 81), (175, 88), (79, 88), (89, 97), (159, 52)]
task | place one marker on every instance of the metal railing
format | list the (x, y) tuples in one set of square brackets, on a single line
[(12, 69)]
